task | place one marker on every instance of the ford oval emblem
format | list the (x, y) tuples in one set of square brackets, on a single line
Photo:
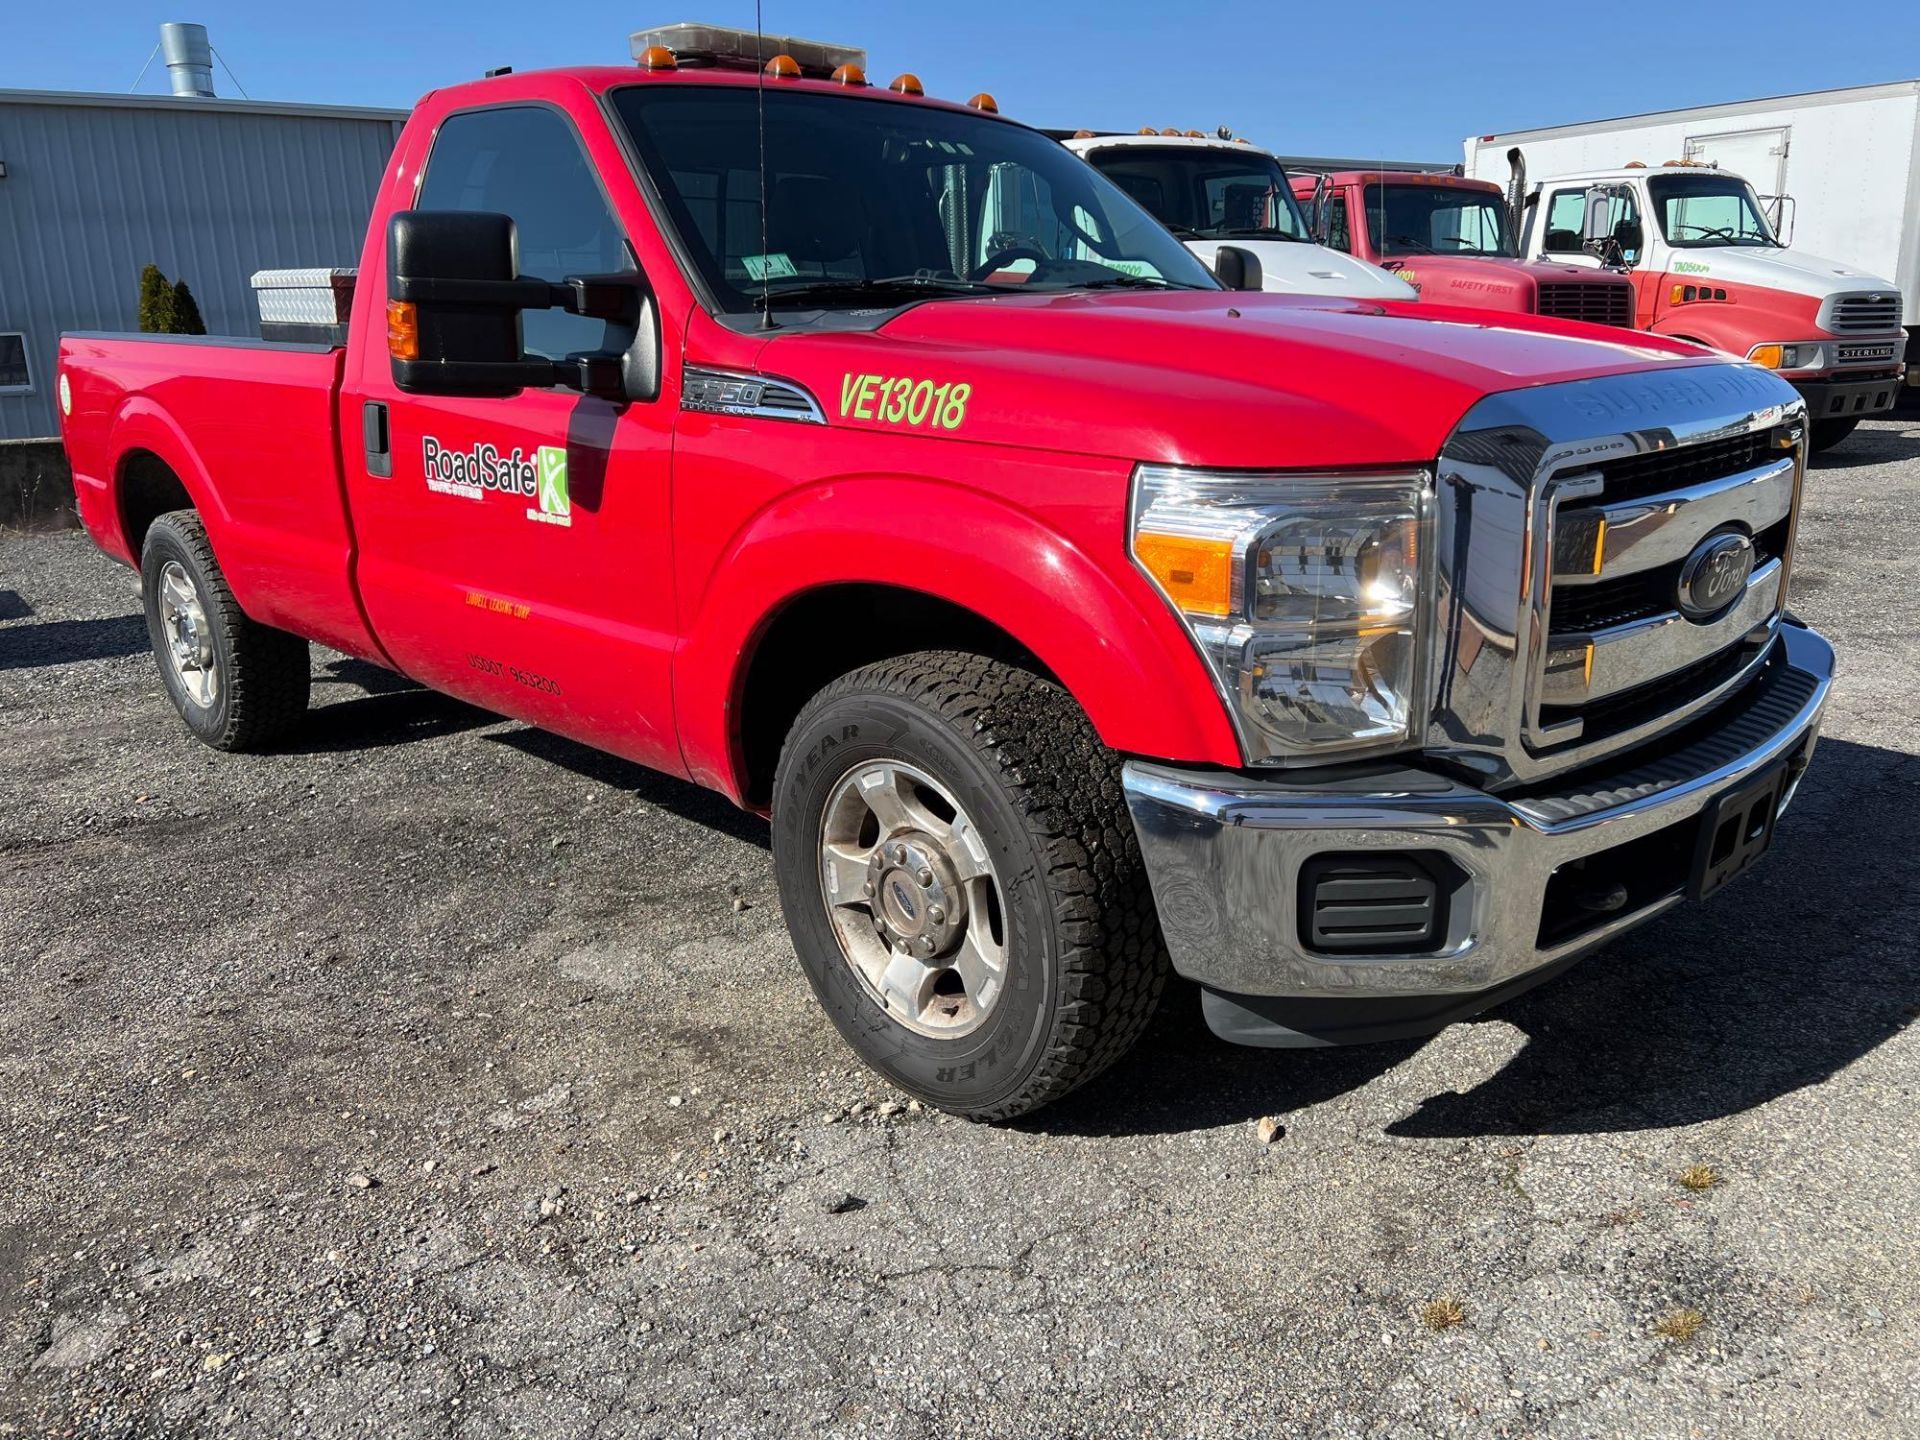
[(1715, 574)]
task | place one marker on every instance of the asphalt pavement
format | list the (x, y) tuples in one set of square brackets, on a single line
[(438, 1077)]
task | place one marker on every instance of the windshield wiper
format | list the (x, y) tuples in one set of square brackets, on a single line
[(916, 286), (1121, 278), (1419, 246), (1255, 232)]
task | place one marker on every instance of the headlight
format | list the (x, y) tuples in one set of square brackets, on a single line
[(1306, 594)]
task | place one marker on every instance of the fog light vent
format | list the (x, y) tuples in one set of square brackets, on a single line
[(1369, 905)]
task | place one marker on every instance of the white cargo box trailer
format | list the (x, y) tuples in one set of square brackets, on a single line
[(1839, 170)]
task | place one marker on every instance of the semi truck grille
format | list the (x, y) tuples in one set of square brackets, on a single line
[(1625, 639), (1596, 303), (1860, 314)]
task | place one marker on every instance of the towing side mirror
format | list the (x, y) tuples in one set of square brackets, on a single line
[(1237, 268), (454, 297)]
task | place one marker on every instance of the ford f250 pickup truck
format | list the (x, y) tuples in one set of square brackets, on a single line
[(1071, 618)]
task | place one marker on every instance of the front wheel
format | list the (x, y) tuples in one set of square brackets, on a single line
[(1829, 433), (963, 883)]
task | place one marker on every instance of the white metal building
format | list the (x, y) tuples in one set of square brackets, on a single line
[(95, 187)]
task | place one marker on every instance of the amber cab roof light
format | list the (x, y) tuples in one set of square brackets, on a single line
[(692, 45), (907, 84), (986, 102)]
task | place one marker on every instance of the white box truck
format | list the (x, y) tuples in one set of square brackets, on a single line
[(1836, 178)]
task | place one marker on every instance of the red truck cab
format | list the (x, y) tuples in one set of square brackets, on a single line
[(876, 462), (1452, 238)]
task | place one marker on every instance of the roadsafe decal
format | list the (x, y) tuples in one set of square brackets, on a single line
[(470, 474), (899, 400)]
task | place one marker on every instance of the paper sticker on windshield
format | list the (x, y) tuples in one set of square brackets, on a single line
[(901, 400), (556, 505), (769, 267), (1139, 268)]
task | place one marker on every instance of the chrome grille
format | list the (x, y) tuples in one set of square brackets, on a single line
[(1568, 514), (1874, 313), (1596, 302), (1617, 640)]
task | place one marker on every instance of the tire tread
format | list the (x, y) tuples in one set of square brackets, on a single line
[(1065, 784)]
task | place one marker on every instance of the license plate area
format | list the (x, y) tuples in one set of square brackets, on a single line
[(1736, 829)]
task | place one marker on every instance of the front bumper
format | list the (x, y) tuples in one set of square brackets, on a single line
[(1225, 855), (1842, 397)]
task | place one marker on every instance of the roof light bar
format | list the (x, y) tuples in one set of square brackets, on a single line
[(717, 45)]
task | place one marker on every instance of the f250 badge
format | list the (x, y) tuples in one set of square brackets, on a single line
[(470, 474), (901, 400)]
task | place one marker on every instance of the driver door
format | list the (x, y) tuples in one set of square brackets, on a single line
[(515, 552)]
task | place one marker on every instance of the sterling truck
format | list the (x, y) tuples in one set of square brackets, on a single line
[(1786, 231), (1070, 618)]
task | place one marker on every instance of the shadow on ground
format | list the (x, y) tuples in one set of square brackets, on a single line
[(66, 642), (1788, 975)]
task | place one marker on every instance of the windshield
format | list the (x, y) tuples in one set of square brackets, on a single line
[(1436, 220), (1700, 210), (874, 202), (1201, 192)]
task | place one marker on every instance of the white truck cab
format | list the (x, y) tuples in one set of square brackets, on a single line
[(1708, 265), (1214, 192)]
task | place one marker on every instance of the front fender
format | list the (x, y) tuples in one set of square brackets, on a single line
[(1099, 627)]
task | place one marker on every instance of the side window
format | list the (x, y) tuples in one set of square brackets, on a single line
[(1339, 237), (1566, 216), (526, 162), (15, 377)]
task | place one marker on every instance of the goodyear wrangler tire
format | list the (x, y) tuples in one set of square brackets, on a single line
[(962, 882), (238, 684)]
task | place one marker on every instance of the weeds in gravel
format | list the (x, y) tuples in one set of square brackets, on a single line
[(1679, 1325), (1443, 1314), (1698, 1177)]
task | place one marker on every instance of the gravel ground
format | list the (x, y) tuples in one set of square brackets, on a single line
[(440, 1077)]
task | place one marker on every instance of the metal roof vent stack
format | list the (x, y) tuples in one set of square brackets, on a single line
[(189, 58)]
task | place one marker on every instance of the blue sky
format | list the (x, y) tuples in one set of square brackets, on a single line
[(1407, 82)]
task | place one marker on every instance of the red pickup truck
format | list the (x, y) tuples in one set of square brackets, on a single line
[(1070, 617)]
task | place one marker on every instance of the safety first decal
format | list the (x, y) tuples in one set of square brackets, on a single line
[(470, 474)]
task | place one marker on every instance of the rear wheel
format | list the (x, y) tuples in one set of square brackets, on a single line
[(962, 882), (1829, 433), (237, 683)]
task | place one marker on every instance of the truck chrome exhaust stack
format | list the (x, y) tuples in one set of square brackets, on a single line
[(1516, 193)]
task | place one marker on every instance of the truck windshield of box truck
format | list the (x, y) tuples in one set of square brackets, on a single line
[(872, 202), (1205, 194), (1436, 220), (1697, 211)]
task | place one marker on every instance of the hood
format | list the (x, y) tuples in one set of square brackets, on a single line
[(1290, 267), (1499, 282), (1794, 271), (1203, 378)]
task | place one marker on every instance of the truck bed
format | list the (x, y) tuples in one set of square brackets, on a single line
[(247, 429)]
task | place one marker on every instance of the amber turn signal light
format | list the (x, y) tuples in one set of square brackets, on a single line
[(657, 57), (403, 330), (908, 84), (1196, 572)]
